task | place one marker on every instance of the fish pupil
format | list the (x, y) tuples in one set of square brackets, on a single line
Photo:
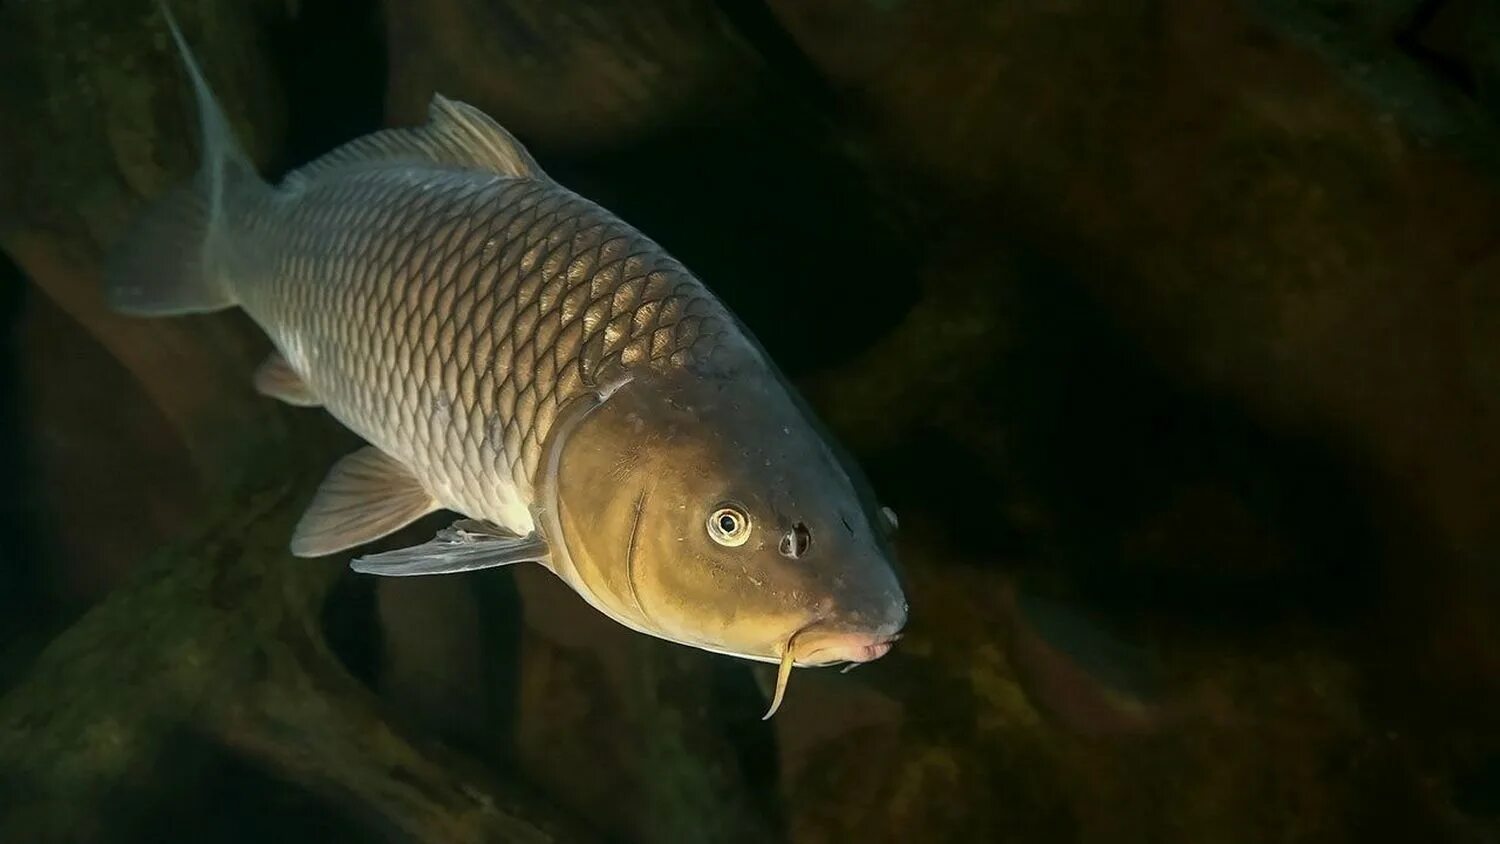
[(727, 523)]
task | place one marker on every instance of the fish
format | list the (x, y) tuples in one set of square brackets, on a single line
[(518, 355)]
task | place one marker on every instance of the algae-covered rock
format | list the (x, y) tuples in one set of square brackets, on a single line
[(1235, 390), (569, 75), (1168, 329)]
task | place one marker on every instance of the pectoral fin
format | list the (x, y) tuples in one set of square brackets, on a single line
[(277, 379), (367, 495), (465, 545)]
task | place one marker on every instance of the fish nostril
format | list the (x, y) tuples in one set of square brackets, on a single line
[(796, 541)]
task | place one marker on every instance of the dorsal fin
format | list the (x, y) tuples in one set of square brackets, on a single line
[(455, 134)]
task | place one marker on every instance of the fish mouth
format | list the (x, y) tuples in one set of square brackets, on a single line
[(856, 640), (832, 648), (813, 647)]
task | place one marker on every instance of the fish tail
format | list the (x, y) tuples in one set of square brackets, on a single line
[(174, 259)]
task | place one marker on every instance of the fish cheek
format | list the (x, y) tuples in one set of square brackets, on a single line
[(716, 597), (670, 579)]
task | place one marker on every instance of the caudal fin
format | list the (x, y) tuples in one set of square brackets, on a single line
[(175, 258), (160, 267)]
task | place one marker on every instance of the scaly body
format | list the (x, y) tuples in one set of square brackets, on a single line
[(446, 315)]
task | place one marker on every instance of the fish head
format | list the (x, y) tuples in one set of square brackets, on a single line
[(709, 512)]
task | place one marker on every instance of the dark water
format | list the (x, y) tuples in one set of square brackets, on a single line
[(1170, 580)]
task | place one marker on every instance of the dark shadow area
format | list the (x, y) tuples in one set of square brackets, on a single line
[(1476, 789), (28, 609), (739, 705), (1165, 499), (352, 625), (1148, 497), (332, 66), (231, 802), (1415, 39), (773, 220)]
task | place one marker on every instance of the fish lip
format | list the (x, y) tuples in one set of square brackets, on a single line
[(849, 647)]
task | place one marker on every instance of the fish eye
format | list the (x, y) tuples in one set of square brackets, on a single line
[(729, 525)]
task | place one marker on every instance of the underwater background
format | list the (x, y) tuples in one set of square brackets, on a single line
[(1169, 328)]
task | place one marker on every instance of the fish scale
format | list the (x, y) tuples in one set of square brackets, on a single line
[(446, 315)]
